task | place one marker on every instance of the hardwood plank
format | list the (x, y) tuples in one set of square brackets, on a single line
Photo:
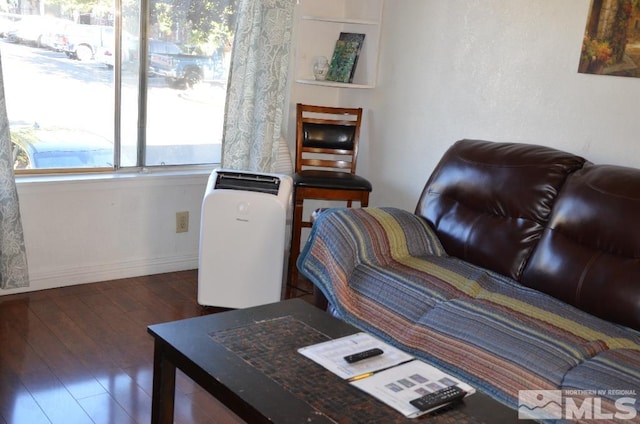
[(54, 399), (71, 335), (81, 354), (124, 390), (17, 406), (81, 384), (70, 371), (103, 409), (187, 411), (214, 408), (143, 376), (16, 353)]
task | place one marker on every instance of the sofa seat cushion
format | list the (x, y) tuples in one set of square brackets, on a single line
[(385, 272)]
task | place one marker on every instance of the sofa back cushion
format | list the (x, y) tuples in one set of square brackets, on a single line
[(589, 256), (489, 202)]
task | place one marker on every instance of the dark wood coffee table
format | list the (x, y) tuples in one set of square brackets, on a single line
[(248, 360)]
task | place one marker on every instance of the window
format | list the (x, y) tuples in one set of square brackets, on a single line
[(73, 106)]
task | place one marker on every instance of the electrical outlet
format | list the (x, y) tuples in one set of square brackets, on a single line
[(182, 222)]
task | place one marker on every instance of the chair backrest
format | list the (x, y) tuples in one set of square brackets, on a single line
[(327, 137)]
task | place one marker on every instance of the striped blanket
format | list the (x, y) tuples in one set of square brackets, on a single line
[(384, 271)]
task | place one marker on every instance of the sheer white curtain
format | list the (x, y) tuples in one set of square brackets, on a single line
[(13, 256), (256, 95)]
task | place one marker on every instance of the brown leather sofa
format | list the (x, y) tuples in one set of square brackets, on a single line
[(548, 219), (519, 270)]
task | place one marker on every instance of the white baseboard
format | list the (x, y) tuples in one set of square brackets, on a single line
[(43, 280)]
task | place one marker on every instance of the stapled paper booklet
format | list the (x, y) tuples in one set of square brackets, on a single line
[(399, 385), (394, 377)]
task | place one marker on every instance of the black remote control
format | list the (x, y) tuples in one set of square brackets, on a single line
[(363, 355), (432, 401)]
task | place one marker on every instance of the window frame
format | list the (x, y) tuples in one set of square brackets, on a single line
[(143, 75)]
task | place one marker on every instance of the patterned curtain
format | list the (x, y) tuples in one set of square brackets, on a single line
[(13, 256), (256, 95)]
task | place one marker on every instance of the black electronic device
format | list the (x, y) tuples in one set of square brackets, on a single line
[(355, 357), (437, 399)]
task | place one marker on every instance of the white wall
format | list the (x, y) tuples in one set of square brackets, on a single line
[(88, 230), (502, 70)]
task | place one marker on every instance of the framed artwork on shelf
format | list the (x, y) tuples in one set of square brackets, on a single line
[(359, 38), (343, 61)]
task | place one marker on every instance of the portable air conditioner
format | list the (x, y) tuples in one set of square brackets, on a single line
[(243, 239)]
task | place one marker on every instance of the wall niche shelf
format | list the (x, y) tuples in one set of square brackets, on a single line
[(340, 20), (333, 84), (320, 23)]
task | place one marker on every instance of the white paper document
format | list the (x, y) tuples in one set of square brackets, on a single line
[(331, 355), (399, 385), (394, 377)]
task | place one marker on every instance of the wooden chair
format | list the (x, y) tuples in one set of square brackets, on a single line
[(326, 152)]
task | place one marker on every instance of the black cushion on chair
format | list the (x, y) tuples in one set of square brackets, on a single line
[(330, 180)]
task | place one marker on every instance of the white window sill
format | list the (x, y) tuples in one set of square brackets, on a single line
[(138, 177)]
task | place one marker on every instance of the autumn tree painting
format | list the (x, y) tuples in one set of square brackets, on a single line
[(611, 44)]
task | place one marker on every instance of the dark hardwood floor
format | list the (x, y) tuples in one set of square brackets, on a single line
[(81, 354)]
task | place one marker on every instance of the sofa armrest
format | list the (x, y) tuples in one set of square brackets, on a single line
[(343, 238)]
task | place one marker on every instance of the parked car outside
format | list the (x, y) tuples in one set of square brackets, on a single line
[(164, 47), (82, 41), (8, 22), (186, 69), (34, 29), (105, 54), (49, 148), (54, 39)]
